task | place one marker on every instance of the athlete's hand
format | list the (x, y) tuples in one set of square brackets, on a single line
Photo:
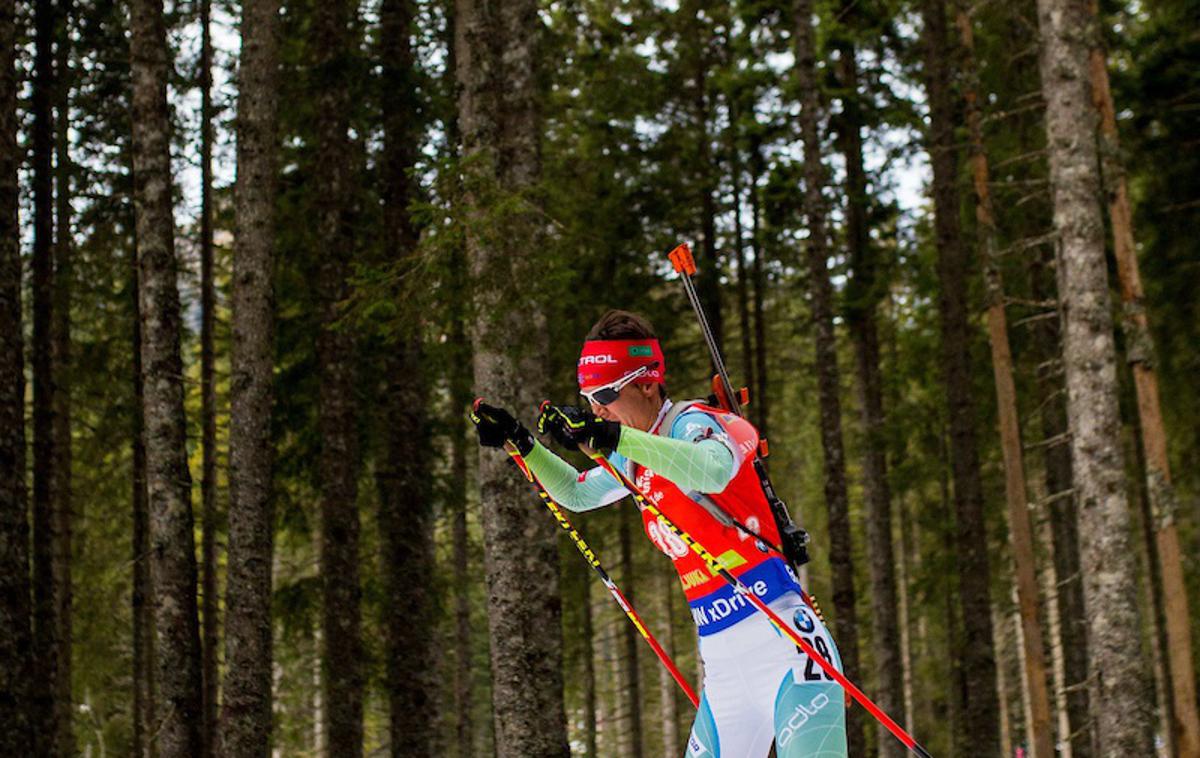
[(571, 426), (495, 426)]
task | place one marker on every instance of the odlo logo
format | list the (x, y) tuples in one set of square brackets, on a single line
[(800, 717), (597, 360)]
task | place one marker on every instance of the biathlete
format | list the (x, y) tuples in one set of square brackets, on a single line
[(685, 457)]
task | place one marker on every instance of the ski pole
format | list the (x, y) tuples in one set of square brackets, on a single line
[(717, 569), (561, 517)]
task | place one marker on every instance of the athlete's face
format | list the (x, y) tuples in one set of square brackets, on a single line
[(637, 405)]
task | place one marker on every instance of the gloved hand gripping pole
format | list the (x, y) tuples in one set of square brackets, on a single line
[(560, 516)]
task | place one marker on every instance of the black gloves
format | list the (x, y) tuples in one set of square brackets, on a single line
[(495, 426), (570, 426)]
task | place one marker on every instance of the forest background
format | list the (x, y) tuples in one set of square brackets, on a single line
[(257, 260)]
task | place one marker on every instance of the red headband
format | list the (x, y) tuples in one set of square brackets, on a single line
[(606, 361)]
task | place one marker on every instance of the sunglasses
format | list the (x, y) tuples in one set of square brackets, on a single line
[(609, 392)]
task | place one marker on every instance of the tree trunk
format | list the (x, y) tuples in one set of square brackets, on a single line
[(761, 404), (739, 257), (245, 728), (144, 658), (331, 47), (904, 570), (696, 59), (1060, 502), (208, 397), (47, 649), (16, 637), (1005, 713), (863, 298), (60, 338), (1185, 718), (828, 382), (1089, 358), (1050, 589), (460, 393), (582, 592), (1020, 527), (627, 667), (1150, 582), (173, 550), (459, 381), (498, 115), (979, 722), (667, 687), (405, 497)]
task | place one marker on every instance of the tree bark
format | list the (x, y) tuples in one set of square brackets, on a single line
[(499, 118), (245, 728), (666, 684), (1019, 524), (1089, 359), (739, 256), (16, 635), (331, 46), (47, 648), (144, 714), (828, 381), (979, 725), (863, 296), (1005, 714), (761, 404), (696, 60), (208, 397), (1185, 718), (60, 338), (587, 634), (460, 382), (173, 556), (1060, 499), (405, 497), (1150, 582), (627, 666)]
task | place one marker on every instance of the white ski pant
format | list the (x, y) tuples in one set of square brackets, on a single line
[(759, 687)]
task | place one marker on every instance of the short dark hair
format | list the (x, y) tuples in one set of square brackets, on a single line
[(621, 325), (617, 324)]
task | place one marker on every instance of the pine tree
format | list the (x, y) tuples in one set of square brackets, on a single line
[(60, 340), (172, 545), (980, 708), (331, 46), (405, 497), (47, 648), (1185, 718), (208, 393), (144, 659), (247, 705), (828, 380), (1089, 360), (16, 738), (863, 296), (1019, 524), (495, 47)]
